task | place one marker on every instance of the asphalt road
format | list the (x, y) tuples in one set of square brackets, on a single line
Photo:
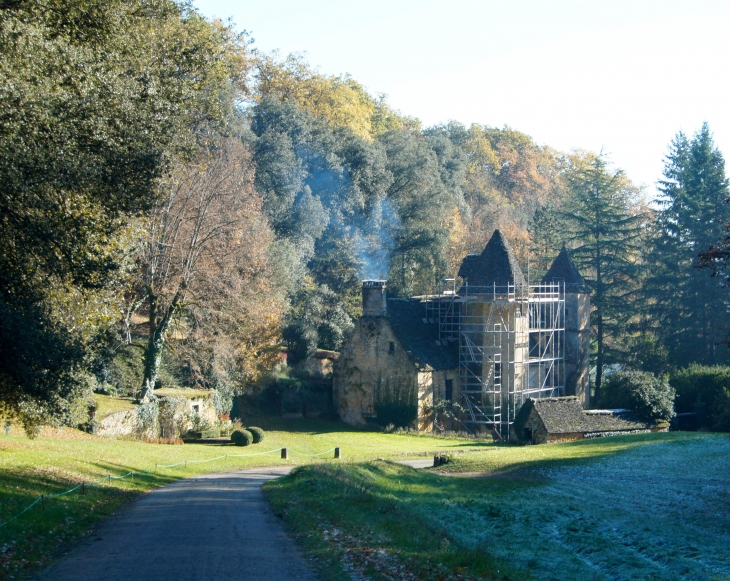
[(208, 528)]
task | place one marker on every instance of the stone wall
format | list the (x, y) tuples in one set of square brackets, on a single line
[(373, 356), (537, 432), (432, 386), (577, 346), (118, 424), (125, 423)]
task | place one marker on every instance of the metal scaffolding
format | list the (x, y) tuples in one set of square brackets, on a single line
[(511, 347)]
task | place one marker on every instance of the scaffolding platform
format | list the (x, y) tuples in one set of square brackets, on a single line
[(511, 347)]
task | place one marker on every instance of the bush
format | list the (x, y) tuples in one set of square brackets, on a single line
[(651, 398), (397, 404), (701, 389), (257, 433), (721, 412), (242, 438)]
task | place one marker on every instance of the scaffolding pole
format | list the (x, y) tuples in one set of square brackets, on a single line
[(511, 347)]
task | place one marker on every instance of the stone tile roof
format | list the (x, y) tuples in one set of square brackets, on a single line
[(495, 265), (564, 270), (419, 339), (565, 415)]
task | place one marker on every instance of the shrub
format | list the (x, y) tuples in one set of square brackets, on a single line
[(242, 438), (721, 412), (701, 389), (397, 404), (257, 433), (651, 398)]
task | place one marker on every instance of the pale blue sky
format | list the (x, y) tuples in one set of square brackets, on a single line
[(619, 76)]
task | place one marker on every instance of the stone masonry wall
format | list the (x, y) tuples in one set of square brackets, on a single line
[(373, 355), (577, 346)]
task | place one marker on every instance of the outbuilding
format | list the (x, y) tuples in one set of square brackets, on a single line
[(563, 419)]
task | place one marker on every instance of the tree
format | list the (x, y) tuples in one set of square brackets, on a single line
[(340, 101), (95, 97), (418, 205), (604, 230), (206, 243), (687, 303)]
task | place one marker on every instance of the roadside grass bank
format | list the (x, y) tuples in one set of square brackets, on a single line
[(61, 459), (367, 520), (639, 507)]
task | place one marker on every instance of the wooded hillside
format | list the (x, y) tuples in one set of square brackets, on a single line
[(171, 195)]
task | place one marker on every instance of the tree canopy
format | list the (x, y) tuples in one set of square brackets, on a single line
[(171, 197)]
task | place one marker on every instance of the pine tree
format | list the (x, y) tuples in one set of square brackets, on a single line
[(688, 305), (604, 230)]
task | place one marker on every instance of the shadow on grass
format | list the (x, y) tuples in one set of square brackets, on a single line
[(34, 538), (303, 425), (545, 457)]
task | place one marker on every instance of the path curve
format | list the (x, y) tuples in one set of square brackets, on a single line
[(205, 528)]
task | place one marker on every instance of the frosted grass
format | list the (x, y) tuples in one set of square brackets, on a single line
[(654, 512)]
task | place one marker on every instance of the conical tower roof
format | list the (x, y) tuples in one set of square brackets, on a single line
[(564, 270), (496, 265)]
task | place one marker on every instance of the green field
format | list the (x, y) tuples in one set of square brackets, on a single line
[(64, 458), (641, 507)]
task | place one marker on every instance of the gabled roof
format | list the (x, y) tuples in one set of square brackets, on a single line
[(419, 339), (565, 415), (560, 415), (564, 270), (496, 265)]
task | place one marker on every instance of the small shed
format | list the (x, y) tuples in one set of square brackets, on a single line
[(562, 419)]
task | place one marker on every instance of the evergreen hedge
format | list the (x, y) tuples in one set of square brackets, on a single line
[(705, 390), (651, 398)]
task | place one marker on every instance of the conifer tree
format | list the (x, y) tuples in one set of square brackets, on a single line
[(687, 303), (604, 229)]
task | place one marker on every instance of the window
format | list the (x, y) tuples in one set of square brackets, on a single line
[(196, 409), (449, 389), (391, 347)]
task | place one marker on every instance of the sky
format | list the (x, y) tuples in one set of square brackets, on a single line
[(621, 77)]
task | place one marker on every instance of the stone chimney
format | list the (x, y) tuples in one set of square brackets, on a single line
[(373, 298)]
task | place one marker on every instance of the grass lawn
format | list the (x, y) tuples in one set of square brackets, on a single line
[(61, 459), (640, 507), (106, 405)]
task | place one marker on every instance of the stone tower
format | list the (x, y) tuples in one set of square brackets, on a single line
[(494, 338), (577, 325)]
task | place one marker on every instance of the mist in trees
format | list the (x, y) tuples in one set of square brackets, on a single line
[(689, 305), (169, 195)]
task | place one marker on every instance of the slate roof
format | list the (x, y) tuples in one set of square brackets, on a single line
[(419, 339), (495, 265), (564, 270), (565, 415)]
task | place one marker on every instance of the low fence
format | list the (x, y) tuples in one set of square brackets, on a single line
[(285, 454)]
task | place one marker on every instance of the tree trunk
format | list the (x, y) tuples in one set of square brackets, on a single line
[(156, 341)]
